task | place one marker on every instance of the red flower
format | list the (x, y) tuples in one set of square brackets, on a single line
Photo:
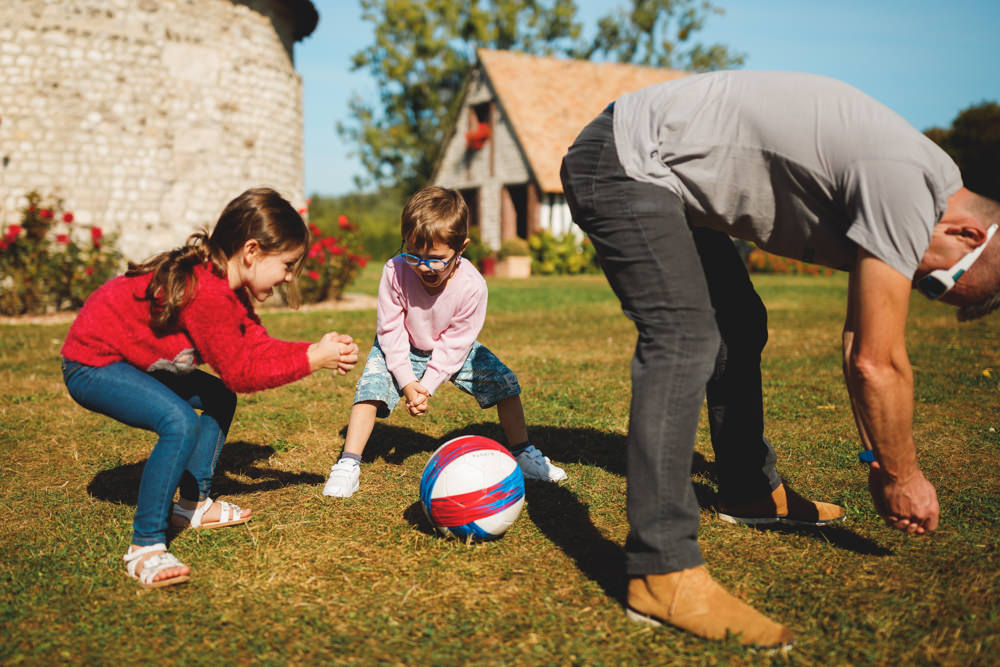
[(314, 275), (363, 262), (303, 211), (476, 139), (62, 238), (314, 230), (330, 242), (67, 217), (342, 221), (13, 232), (315, 251), (96, 234), (46, 213), (3, 245), (89, 270), (336, 250)]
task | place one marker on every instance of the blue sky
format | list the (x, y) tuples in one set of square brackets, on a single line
[(926, 59)]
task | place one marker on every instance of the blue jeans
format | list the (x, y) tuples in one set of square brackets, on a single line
[(189, 444), (701, 328)]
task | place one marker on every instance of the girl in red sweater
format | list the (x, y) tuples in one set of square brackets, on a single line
[(132, 354)]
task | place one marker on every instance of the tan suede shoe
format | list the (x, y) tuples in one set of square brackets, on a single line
[(691, 600), (785, 506)]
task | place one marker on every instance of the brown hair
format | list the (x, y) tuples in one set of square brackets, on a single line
[(433, 214), (260, 214)]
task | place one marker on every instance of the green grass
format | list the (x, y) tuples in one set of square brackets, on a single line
[(365, 581)]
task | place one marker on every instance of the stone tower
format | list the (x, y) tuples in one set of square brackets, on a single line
[(147, 116)]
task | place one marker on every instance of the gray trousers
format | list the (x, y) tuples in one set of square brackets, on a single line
[(701, 328)]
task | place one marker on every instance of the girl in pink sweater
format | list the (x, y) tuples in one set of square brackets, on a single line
[(431, 308), (132, 354)]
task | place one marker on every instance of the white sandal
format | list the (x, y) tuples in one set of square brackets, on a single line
[(231, 515), (152, 566)]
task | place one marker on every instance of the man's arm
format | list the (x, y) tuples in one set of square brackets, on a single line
[(880, 383)]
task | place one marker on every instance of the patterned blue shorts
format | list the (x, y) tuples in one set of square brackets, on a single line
[(483, 376)]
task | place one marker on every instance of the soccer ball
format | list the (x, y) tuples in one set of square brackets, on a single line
[(472, 488)]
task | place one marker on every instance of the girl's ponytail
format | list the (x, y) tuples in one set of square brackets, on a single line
[(172, 283), (260, 214)]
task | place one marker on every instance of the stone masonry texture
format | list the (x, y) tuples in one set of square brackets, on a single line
[(147, 116)]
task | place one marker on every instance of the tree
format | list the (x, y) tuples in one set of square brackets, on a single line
[(424, 49), (422, 53), (652, 32), (973, 141)]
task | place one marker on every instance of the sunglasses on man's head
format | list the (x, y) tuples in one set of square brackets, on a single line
[(939, 282)]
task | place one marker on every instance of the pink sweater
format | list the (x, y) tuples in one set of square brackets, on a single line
[(218, 326), (447, 323)]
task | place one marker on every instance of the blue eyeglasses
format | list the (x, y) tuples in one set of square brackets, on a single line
[(434, 264)]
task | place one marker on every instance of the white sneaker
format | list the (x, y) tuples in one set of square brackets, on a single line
[(536, 466), (343, 480)]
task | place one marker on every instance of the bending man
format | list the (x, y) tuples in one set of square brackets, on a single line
[(805, 167)]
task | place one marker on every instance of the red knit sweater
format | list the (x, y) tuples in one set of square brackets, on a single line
[(218, 327)]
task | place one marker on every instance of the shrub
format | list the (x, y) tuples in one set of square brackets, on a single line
[(514, 247), (759, 261), (476, 251), (564, 255), (49, 262), (332, 262)]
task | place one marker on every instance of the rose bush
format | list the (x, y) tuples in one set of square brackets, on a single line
[(332, 262), (50, 262)]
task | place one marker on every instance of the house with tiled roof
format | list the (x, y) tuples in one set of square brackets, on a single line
[(519, 113)]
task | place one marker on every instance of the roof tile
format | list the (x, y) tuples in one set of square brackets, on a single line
[(548, 100)]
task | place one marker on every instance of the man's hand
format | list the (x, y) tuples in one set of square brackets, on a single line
[(880, 384), (908, 505), (416, 398)]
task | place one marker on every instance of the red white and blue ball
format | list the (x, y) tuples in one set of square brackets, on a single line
[(472, 488)]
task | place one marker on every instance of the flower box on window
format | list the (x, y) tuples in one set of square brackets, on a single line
[(476, 138)]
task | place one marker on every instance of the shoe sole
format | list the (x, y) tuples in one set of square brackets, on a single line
[(764, 521), (163, 583), (342, 495), (653, 622), (633, 615), (186, 525)]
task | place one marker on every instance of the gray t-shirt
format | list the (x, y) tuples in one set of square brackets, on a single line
[(802, 165)]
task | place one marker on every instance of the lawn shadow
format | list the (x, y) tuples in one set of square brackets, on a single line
[(561, 444), (562, 516), (416, 517), (565, 520), (838, 535), (121, 484), (395, 444)]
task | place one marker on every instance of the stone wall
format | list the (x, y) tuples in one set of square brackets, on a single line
[(147, 116)]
